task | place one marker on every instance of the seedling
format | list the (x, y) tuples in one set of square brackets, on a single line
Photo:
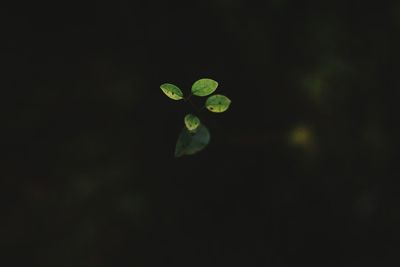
[(195, 136)]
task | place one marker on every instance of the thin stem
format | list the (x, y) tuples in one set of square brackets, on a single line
[(194, 106), (187, 98)]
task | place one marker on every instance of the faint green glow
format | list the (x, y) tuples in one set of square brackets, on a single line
[(301, 136), (314, 87)]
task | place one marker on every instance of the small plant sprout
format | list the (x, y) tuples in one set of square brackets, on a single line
[(195, 136)]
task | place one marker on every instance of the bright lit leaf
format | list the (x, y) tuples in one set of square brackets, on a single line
[(172, 91), (190, 143), (191, 122), (218, 103), (204, 87)]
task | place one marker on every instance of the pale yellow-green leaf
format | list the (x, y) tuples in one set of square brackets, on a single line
[(191, 122), (172, 91), (204, 87), (218, 103)]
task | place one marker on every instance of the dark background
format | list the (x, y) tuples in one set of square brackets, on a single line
[(299, 172)]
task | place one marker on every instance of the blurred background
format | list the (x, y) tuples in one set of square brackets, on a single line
[(299, 172)]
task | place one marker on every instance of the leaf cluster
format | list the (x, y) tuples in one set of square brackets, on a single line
[(195, 136)]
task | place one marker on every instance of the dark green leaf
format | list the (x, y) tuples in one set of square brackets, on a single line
[(190, 143)]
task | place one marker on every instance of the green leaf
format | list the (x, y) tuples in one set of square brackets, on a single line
[(204, 87), (190, 143), (191, 122), (172, 91), (218, 103)]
